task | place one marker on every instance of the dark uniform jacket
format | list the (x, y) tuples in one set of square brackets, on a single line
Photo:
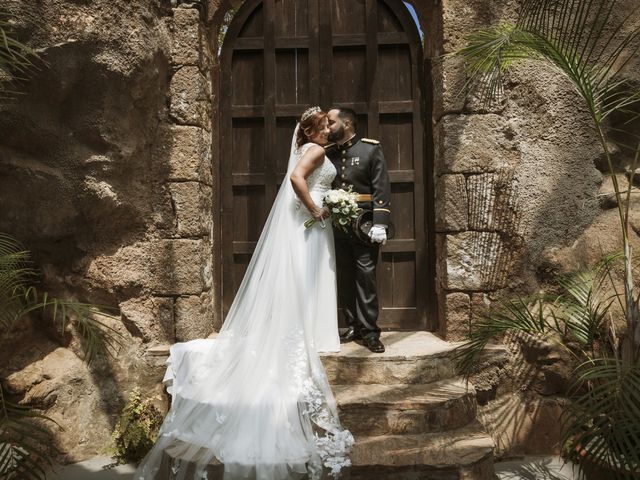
[(361, 164)]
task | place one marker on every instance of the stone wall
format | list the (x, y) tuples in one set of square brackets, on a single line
[(107, 178), (517, 184), (521, 194)]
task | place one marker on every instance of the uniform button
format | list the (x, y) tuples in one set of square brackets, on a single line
[(344, 184), (344, 176), (343, 167), (344, 151)]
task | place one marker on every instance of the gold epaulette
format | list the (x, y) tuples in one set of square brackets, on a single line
[(370, 140)]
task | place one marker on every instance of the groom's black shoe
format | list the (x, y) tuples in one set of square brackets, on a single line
[(349, 336), (374, 344)]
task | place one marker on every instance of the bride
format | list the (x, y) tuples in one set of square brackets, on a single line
[(257, 398)]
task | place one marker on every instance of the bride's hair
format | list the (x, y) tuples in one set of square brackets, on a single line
[(309, 125)]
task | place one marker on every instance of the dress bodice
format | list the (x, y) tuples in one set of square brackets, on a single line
[(322, 177)]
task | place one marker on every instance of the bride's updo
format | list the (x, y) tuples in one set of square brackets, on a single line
[(309, 125)]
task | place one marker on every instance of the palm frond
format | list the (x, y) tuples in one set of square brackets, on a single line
[(489, 52), (24, 442), (19, 297), (98, 338), (603, 423), (17, 60), (16, 271), (520, 315), (583, 308), (568, 34)]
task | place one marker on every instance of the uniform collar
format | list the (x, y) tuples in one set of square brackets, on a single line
[(349, 143)]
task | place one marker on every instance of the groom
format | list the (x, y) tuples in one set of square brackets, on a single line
[(360, 164)]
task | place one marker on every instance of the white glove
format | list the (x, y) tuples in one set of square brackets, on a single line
[(378, 234)]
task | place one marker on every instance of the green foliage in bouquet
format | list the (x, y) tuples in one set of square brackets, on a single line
[(136, 430)]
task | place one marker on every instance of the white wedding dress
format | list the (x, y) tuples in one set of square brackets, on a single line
[(257, 398)]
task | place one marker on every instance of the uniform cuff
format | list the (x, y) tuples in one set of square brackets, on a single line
[(381, 217)]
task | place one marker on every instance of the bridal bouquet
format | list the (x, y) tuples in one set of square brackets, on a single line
[(343, 207)]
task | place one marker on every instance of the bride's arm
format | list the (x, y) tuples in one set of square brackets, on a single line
[(311, 160)]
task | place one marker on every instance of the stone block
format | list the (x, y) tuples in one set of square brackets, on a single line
[(482, 201), (451, 203), (460, 17), (606, 193), (449, 78), (480, 303), (192, 202), (190, 98), (163, 267), (474, 143), (151, 318), (525, 424), (185, 36), (492, 202), (477, 261), (457, 316), (179, 267), (405, 409), (189, 154), (410, 358), (194, 317)]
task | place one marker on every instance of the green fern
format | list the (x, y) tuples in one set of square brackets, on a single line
[(136, 430)]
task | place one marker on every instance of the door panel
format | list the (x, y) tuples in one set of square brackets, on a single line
[(281, 56)]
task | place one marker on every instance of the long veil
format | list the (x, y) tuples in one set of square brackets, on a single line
[(256, 398)]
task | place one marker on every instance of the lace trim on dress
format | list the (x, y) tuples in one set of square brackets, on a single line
[(336, 443), (332, 441)]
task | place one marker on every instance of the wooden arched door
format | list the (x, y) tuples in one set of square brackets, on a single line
[(278, 58)]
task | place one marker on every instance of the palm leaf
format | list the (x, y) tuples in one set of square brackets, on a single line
[(99, 339), (583, 306), (19, 297), (567, 34), (604, 422), (520, 315), (17, 60), (24, 443)]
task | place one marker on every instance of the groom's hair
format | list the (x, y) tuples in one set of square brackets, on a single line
[(347, 114)]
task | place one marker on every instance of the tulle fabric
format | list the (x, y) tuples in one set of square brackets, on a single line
[(257, 398)]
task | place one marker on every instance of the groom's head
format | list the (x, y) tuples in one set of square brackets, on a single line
[(342, 124)]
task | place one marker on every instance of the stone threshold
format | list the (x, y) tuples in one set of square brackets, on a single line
[(399, 345)]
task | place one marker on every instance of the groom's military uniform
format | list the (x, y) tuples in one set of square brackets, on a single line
[(360, 164)]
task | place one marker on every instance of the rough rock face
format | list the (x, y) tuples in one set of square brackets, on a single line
[(49, 374), (106, 165), (522, 194), (106, 168)]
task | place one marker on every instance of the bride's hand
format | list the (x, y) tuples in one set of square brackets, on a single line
[(319, 213)]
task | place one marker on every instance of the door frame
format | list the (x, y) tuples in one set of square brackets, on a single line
[(318, 45)]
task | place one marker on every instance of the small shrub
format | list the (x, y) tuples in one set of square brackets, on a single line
[(136, 429)]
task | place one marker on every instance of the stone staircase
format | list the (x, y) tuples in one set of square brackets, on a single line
[(412, 417)]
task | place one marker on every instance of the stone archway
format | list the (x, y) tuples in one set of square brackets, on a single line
[(354, 45)]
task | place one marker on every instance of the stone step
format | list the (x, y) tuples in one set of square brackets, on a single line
[(410, 358), (463, 454), (401, 409)]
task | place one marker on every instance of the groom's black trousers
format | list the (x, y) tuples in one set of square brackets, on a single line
[(357, 292)]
